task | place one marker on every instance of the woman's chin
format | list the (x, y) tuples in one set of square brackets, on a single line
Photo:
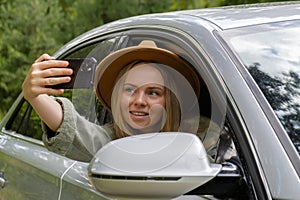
[(139, 129)]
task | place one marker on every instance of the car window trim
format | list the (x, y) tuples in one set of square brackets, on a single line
[(254, 168)]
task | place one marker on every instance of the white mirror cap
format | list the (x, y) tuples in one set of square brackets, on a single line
[(159, 154), (168, 164)]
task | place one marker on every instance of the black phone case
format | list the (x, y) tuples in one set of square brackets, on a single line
[(83, 74)]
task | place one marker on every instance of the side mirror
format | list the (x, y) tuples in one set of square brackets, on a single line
[(156, 165)]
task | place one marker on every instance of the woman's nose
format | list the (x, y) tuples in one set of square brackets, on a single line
[(139, 98)]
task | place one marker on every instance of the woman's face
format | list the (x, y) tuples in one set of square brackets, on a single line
[(143, 97)]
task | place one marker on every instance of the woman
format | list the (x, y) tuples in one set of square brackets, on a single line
[(139, 85), (142, 105)]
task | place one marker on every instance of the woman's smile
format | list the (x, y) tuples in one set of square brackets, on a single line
[(138, 113), (140, 118)]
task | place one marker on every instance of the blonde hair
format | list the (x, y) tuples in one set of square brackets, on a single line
[(172, 106)]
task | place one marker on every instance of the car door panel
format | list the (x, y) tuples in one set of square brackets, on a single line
[(29, 168), (76, 186)]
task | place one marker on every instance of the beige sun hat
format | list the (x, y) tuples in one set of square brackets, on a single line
[(108, 69)]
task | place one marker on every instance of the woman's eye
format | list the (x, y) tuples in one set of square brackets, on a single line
[(129, 90), (155, 93)]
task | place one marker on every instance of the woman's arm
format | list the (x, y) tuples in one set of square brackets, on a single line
[(76, 138), (46, 71)]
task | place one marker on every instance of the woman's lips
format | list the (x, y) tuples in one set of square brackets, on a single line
[(139, 116)]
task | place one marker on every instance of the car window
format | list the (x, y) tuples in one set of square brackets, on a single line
[(275, 67)]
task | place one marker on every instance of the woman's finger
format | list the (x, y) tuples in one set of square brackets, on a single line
[(51, 64), (48, 82), (44, 57)]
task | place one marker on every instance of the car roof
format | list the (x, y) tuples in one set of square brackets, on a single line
[(246, 15), (222, 17)]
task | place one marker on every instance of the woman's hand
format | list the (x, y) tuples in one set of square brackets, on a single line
[(45, 71)]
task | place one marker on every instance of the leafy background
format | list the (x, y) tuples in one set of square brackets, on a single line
[(31, 28)]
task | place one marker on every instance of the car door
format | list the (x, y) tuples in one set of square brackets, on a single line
[(28, 169)]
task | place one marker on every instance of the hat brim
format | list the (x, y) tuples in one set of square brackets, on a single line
[(108, 69)]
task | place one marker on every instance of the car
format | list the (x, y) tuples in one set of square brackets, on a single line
[(248, 59)]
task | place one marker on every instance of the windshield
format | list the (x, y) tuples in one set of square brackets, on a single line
[(271, 53)]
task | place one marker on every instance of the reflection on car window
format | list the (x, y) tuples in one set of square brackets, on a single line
[(275, 66), (26, 122)]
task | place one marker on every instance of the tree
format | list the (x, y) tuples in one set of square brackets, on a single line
[(26, 32)]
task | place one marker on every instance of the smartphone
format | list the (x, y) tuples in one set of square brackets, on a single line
[(83, 74)]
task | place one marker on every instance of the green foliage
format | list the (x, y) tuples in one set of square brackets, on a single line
[(192, 4), (26, 32)]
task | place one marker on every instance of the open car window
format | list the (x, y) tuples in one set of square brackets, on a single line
[(210, 109)]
